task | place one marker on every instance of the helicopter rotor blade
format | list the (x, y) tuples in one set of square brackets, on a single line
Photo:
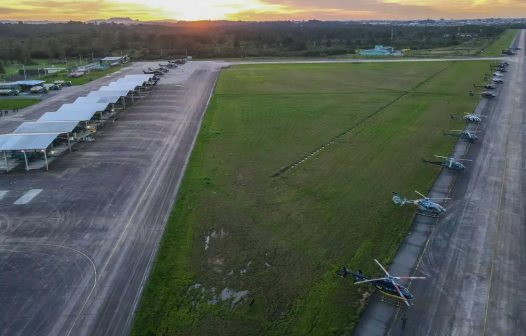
[(408, 278), (368, 280), (464, 160), (416, 191), (383, 269), (400, 293), (440, 156)]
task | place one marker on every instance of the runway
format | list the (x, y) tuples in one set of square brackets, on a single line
[(77, 242), (475, 258)]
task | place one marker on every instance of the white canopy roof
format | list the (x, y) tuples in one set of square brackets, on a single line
[(107, 96), (46, 127), (40, 134), (31, 141), (77, 116)]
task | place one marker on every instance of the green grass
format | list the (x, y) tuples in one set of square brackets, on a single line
[(475, 47), (83, 79), (282, 238), (13, 68), (12, 103), (502, 42)]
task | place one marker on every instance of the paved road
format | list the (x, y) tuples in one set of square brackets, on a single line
[(77, 242), (475, 257)]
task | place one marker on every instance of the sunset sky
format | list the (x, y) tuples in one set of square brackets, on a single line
[(259, 9)]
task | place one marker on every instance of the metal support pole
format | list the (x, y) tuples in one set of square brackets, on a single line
[(6, 164), (101, 120), (25, 159), (69, 142), (124, 103), (45, 158)]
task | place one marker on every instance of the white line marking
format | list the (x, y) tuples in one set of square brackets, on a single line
[(28, 196), (3, 193)]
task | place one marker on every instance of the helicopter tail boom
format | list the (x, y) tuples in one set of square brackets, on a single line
[(344, 272)]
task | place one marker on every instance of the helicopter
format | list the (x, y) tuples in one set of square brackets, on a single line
[(497, 80), (485, 86), (488, 94), (469, 117), (485, 94), (425, 206), (465, 135), (500, 68), (387, 284), (150, 71), (449, 163)]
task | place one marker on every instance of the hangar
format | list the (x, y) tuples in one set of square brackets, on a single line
[(35, 144)]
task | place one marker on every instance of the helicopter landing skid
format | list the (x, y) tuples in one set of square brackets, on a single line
[(426, 214), (390, 299)]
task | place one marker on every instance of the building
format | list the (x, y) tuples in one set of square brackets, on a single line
[(114, 60), (380, 50), (22, 85)]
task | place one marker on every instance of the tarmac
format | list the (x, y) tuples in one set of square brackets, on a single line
[(77, 242), (474, 257)]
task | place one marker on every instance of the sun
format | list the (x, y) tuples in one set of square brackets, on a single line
[(205, 9)]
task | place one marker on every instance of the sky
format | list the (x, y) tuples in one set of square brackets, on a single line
[(258, 10)]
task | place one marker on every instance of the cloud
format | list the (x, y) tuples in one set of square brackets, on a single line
[(259, 9)]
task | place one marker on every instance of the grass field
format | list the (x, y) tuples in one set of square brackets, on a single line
[(83, 79), (475, 47), (251, 252), (9, 104), (503, 42), (13, 68)]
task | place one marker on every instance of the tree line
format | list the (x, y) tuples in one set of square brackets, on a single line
[(23, 43)]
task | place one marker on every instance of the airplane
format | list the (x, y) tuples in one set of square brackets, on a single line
[(465, 135), (449, 162), (387, 284), (425, 205), (508, 52)]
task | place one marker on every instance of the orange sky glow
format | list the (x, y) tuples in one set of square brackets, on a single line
[(258, 10)]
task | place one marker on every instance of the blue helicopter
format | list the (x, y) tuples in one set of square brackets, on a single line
[(424, 205), (469, 136), (387, 285), (449, 163)]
